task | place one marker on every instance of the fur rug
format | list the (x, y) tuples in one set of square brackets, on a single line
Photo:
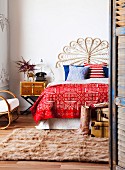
[(53, 145)]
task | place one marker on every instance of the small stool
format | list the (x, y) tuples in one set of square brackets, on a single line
[(84, 120)]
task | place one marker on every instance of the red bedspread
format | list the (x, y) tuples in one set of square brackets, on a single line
[(65, 100)]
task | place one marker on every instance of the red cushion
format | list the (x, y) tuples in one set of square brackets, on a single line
[(96, 70), (96, 73), (95, 65)]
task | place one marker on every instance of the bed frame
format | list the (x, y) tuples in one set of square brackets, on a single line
[(82, 51), (78, 52)]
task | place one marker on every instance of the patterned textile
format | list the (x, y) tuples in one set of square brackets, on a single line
[(95, 65), (96, 73), (65, 100), (96, 70)]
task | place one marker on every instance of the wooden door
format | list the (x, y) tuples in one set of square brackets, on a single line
[(120, 102), (117, 86)]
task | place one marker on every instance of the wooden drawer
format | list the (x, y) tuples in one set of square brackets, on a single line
[(32, 88), (38, 89)]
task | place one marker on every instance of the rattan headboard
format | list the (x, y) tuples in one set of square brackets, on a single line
[(82, 51)]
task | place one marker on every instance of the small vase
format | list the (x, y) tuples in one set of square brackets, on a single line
[(26, 76), (30, 76)]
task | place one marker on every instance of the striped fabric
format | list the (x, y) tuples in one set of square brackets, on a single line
[(96, 70), (96, 73)]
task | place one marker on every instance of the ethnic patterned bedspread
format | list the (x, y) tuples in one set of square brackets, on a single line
[(65, 100)]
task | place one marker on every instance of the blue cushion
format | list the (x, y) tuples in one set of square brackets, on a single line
[(66, 69), (77, 73), (106, 71)]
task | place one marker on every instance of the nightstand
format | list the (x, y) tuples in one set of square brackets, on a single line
[(31, 90)]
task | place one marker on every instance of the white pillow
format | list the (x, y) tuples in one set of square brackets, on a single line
[(58, 74)]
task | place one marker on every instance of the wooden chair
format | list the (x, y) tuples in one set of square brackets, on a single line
[(8, 107)]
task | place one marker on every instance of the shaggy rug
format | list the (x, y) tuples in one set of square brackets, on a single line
[(53, 145)]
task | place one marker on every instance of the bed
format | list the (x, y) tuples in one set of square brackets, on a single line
[(80, 79)]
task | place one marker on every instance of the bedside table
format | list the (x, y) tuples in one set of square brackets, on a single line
[(31, 90)]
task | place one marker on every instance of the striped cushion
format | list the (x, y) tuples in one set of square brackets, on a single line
[(95, 65), (96, 70), (96, 73)]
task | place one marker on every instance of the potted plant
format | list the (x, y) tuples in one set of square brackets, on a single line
[(25, 67)]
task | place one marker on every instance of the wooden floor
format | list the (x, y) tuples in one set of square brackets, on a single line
[(26, 121)]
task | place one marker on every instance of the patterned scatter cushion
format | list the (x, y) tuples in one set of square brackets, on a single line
[(66, 69), (77, 73), (96, 70), (96, 73), (95, 65)]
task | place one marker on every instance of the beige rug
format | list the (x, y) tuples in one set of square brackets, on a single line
[(53, 145)]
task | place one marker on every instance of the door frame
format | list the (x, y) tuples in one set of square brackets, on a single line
[(113, 137), (112, 90)]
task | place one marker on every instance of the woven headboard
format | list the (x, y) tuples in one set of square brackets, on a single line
[(82, 51)]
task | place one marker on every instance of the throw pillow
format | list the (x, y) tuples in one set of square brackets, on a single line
[(106, 71), (96, 70), (77, 73), (66, 69), (96, 73)]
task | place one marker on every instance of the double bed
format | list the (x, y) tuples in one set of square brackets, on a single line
[(80, 79)]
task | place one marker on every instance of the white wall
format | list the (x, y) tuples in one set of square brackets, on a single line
[(41, 28), (4, 48)]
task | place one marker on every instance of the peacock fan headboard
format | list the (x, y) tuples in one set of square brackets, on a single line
[(82, 51)]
